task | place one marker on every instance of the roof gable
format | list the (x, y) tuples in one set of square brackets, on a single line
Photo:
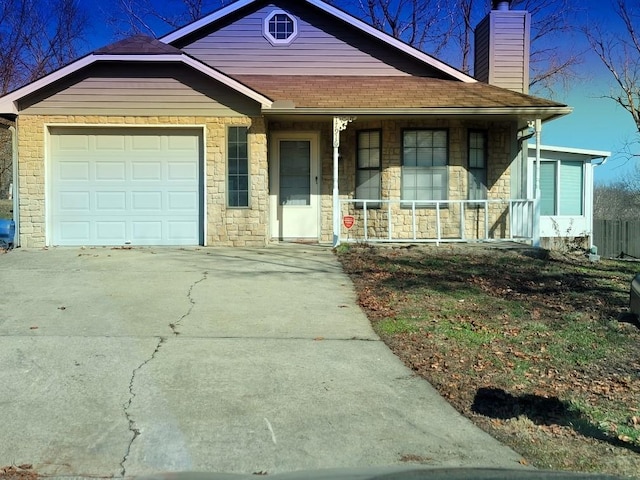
[(347, 38), (128, 51)]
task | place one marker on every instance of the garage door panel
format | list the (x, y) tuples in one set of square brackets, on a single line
[(111, 171), (113, 231), (181, 230), (182, 201), (111, 202), (74, 171), (146, 171), (77, 232), (144, 201), (77, 142), (110, 142), (125, 186), (182, 142), (149, 143), (147, 232), (75, 201), (181, 171)]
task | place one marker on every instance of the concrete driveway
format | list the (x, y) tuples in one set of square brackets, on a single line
[(119, 362)]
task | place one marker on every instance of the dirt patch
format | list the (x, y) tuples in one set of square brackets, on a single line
[(18, 472)]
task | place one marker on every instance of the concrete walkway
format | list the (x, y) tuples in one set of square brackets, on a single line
[(120, 362)]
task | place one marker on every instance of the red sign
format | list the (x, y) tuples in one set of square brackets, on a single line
[(348, 221)]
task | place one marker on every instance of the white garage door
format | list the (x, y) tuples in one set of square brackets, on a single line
[(115, 186)]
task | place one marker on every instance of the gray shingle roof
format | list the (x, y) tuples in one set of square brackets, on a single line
[(138, 45)]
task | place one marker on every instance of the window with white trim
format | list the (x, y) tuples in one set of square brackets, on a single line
[(280, 28), (477, 155), (561, 187), (425, 160), (237, 167), (368, 167)]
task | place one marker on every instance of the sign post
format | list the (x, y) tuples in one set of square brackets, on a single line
[(348, 221)]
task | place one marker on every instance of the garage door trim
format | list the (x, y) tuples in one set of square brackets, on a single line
[(163, 133)]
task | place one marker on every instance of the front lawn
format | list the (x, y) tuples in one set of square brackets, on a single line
[(532, 347)]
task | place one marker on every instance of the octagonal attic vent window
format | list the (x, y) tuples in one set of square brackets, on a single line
[(280, 28)]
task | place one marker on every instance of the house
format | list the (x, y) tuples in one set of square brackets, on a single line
[(279, 120), (566, 194)]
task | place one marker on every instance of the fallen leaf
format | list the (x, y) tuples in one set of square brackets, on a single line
[(33, 328)]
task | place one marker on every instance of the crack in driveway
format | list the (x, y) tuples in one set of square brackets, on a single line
[(132, 424), (174, 326), (161, 340)]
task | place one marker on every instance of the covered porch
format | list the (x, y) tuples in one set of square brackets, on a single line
[(437, 222), (403, 179)]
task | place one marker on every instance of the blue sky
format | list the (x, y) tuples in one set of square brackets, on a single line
[(596, 123)]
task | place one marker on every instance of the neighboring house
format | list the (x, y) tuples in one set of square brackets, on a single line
[(566, 194), (271, 120)]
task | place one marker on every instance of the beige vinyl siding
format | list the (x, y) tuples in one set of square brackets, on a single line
[(502, 50), (323, 46), (141, 90)]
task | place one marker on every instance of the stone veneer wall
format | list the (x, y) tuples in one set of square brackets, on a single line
[(225, 226)]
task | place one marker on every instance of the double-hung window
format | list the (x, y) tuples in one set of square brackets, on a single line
[(561, 187), (425, 158), (368, 167), (477, 155), (237, 167)]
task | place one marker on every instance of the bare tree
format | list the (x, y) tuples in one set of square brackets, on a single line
[(552, 26), (420, 23), (619, 51), (37, 37), (446, 28), (156, 17), (617, 201)]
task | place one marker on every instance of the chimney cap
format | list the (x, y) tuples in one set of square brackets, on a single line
[(501, 4)]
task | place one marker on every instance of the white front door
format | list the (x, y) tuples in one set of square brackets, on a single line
[(295, 186)]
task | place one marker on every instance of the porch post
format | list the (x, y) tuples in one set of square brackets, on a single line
[(339, 124), (536, 202), (16, 183)]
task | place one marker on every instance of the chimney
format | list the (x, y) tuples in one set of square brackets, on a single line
[(502, 48)]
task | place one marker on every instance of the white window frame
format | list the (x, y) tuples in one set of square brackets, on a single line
[(558, 204), (279, 41), (377, 169), (475, 172), (238, 175), (410, 170)]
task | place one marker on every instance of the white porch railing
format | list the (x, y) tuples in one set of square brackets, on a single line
[(437, 221)]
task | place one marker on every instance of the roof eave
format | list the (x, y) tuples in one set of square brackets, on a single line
[(592, 154), (544, 113), (8, 103), (203, 22)]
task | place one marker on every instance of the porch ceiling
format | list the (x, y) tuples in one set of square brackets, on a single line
[(397, 95)]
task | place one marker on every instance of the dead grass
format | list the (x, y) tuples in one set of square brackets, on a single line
[(528, 346)]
